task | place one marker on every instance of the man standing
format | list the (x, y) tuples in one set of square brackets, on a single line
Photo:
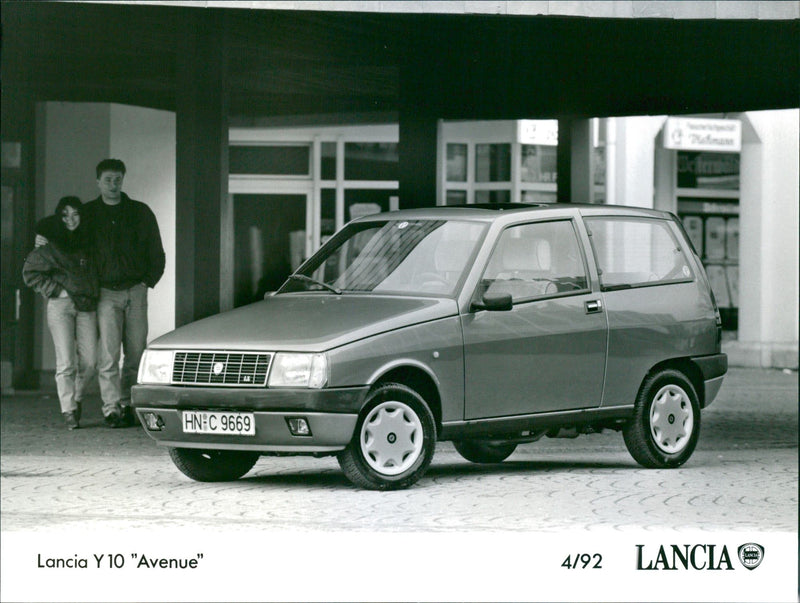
[(130, 258)]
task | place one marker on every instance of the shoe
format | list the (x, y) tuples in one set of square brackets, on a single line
[(71, 420), (127, 417), (113, 420)]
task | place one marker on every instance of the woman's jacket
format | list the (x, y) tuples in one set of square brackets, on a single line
[(64, 264)]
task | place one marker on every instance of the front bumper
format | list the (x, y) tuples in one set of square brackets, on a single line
[(330, 413), (713, 368)]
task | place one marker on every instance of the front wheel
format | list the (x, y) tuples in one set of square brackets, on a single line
[(394, 440), (213, 465), (665, 426), (478, 451)]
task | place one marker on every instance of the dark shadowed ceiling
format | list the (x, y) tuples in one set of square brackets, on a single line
[(284, 63)]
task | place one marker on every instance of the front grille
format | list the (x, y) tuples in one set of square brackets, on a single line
[(232, 369)]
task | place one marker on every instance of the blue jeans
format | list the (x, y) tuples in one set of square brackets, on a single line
[(75, 341), (122, 318)]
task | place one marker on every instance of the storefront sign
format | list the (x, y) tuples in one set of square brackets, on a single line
[(699, 134), (537, 131), (704, 169)]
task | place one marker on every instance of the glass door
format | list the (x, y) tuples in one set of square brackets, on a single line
[(269, 242)]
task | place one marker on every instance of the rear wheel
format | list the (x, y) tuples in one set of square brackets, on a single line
[(665, 426), (394, 440), (480, 451), (213, 465)]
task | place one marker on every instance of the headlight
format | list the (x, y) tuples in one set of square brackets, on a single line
[(299, 370), (156, 366)]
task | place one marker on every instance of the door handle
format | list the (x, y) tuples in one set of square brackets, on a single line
[(593, 306)]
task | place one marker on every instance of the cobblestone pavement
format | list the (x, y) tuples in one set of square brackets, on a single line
[(743, 476)]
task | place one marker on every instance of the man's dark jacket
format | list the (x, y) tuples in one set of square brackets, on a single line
[(126, 243)]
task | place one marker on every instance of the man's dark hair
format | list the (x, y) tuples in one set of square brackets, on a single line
[(65, 202), (110, 165)]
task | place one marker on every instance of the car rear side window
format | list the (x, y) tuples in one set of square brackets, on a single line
[(633, 252), (536, 260)]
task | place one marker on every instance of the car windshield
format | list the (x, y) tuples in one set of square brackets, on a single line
[(405, 257)]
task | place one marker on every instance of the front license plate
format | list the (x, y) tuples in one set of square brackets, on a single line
[(219, 423)]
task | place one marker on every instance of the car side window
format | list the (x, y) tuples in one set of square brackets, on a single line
[(536, 260), (633, 252)]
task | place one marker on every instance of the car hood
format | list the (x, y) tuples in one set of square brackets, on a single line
[(305, 322)]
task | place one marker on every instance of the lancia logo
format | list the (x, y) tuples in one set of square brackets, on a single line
[(218, 367), (751, 555)]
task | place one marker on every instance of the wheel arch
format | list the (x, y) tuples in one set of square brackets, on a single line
[(687, 368), (417, 378)]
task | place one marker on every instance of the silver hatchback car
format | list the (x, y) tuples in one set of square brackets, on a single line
[(490, 326)]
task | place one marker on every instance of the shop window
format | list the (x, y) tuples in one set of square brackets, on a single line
[(456, 163), (502, 196), (492, 162), (538, 197), (456, 197), (268, 238), (708, 205), (371, 161), (270, 160), (363, 202), (327, 214), (328, 161), (713, 228), (538, 164)]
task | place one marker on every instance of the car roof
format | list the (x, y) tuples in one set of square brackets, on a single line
[(489, 212)]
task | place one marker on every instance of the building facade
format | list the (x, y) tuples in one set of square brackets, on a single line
[(291, 188), (256, 131)]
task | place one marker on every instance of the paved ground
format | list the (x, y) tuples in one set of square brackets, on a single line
[(743, 476)]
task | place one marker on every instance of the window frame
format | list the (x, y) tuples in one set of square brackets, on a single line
[(480, 291), (668, 226)]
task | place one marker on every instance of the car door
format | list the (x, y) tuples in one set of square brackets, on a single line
[(548, 352)]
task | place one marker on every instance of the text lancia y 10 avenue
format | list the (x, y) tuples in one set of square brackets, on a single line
[(489, 326)]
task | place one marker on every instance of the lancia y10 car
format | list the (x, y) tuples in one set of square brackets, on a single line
[(487, 326)]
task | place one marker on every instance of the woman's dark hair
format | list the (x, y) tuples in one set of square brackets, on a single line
[(69, 201)]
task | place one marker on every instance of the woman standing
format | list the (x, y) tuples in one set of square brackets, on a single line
[(63, 272)]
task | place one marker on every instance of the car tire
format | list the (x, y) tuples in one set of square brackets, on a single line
[(665, 426), (394, 440), (213, 465), (479, 451)]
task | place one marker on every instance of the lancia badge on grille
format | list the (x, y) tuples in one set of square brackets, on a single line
[(218, 367)]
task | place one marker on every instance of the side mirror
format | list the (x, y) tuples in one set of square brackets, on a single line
[(500, 302)]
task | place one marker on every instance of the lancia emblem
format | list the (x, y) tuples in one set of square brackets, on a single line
[(218, 366), (751, 555)]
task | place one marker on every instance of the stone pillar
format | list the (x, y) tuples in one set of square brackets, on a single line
[(417, 149), (768, 262), (581, 166), (202, 166), (564, 161), (418, 132)]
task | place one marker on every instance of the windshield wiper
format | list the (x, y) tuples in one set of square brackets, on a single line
[(313, 281)]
